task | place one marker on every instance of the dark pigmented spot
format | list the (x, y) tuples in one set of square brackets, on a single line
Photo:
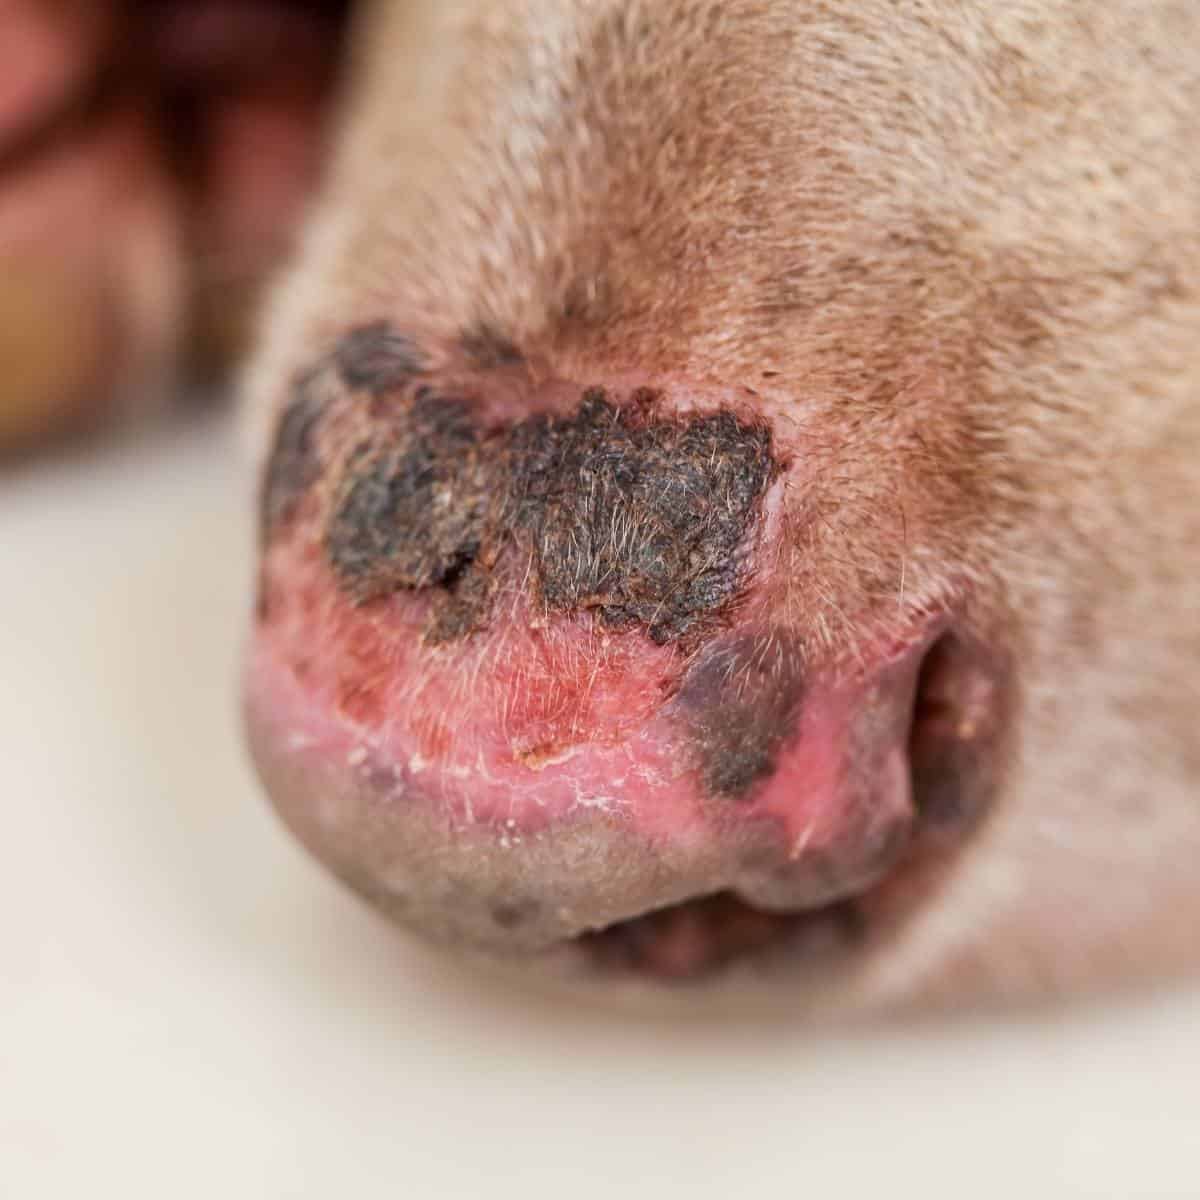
[(739, 703), (509, 914), (410, 510), (293, 464), (487, 348), (463, 606), (375, 358), (639, 520)]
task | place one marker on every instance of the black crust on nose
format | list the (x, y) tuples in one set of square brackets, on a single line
[(377, 359), (739, 703), (293, 464), (410, 510), (640, 518)]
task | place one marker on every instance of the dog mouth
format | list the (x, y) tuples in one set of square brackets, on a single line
[(956, 722), (701, 937)]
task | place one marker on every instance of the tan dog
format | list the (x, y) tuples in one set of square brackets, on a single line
[(946, 257), (731, 507)]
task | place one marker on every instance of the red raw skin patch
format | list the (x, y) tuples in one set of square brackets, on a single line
[(532, 722), (560, 690), (528, 720)]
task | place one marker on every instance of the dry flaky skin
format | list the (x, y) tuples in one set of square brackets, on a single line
[(954, 249)]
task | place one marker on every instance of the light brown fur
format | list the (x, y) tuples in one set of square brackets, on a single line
[(954, 248)]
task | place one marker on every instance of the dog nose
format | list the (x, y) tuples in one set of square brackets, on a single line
[(523, 668)]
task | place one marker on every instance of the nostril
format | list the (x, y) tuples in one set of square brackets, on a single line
[(961, 699), (825, 904), (948, 689)]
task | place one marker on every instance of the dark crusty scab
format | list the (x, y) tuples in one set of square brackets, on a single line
[(637, 516), (411, 505), (293, 464)]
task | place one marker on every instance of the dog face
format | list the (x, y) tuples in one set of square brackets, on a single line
[(730, 507)]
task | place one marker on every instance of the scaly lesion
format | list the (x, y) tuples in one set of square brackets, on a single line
[(616, 509)]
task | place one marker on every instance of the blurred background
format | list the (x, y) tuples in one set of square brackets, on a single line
[(155, 157), (188, 1007)]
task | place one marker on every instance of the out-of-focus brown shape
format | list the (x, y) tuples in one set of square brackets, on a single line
[(155, 158)]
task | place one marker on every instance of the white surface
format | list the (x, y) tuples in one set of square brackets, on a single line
[(189, 1009)]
